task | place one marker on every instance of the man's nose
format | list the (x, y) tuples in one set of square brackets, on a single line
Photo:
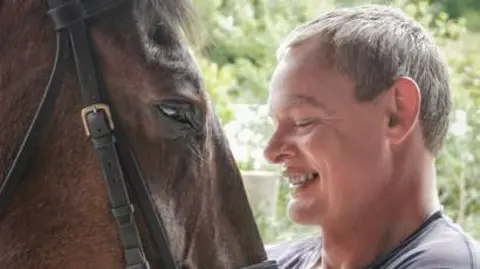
[(277, 149)]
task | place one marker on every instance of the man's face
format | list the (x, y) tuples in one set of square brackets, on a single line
[(335, 150)]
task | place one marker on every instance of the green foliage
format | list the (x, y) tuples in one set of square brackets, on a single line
[(245, 33), (462, 8), (239, 57), (219, 79), (457, 167)]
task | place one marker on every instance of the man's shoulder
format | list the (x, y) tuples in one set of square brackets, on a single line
[(294, 253), (443, 245)]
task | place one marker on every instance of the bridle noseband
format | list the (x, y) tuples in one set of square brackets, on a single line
[(98, 119)]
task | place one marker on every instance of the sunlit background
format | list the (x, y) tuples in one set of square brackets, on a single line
[(237, 59)]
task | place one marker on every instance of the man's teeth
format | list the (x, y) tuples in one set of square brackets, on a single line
[(300, 179)]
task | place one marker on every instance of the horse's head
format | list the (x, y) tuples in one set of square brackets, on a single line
[(162, 114)]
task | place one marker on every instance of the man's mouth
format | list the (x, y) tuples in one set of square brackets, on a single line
[(300, 179)]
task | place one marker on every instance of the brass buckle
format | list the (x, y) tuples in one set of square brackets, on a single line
[(94, 108)]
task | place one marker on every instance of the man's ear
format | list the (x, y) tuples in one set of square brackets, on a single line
[(402, 102)]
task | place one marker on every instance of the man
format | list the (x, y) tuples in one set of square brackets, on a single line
[(360, 100)]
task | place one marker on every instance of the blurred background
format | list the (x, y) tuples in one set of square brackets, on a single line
[(237, 57)]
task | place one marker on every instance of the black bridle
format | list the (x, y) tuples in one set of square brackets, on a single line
[(72, 38)]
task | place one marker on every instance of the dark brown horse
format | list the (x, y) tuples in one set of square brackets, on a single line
[(59, 214)]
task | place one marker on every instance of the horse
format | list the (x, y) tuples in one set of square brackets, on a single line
[(111, 154)]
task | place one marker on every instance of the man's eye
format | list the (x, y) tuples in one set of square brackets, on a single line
[(303, 123)]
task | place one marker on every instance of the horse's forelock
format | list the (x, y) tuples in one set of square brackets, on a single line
[(179, 15)]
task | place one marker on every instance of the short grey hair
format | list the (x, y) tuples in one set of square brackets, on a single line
[(373, 45)]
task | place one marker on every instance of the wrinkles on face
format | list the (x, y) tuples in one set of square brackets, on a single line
[(320, 126)]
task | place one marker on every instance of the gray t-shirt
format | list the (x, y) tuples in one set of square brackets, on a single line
[(437, 244)]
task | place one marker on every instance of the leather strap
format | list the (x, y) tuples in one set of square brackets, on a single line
[(142, 194), (104, 144), (44, 110), (269, 264), (99, 125), (91, 97), (68, 13)]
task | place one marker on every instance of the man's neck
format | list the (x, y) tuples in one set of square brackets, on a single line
[(366, 245), (380, 229)]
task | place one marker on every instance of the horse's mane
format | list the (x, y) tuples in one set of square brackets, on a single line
[(180, 15)]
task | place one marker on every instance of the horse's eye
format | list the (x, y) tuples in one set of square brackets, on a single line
[(181, 112), (174, 114)]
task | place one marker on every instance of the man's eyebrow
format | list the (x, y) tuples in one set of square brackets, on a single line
[(293, 100), (301, 99)]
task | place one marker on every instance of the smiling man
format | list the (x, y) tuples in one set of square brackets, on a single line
[(360, 100)]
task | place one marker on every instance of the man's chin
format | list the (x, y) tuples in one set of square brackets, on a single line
[(303, 213)]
